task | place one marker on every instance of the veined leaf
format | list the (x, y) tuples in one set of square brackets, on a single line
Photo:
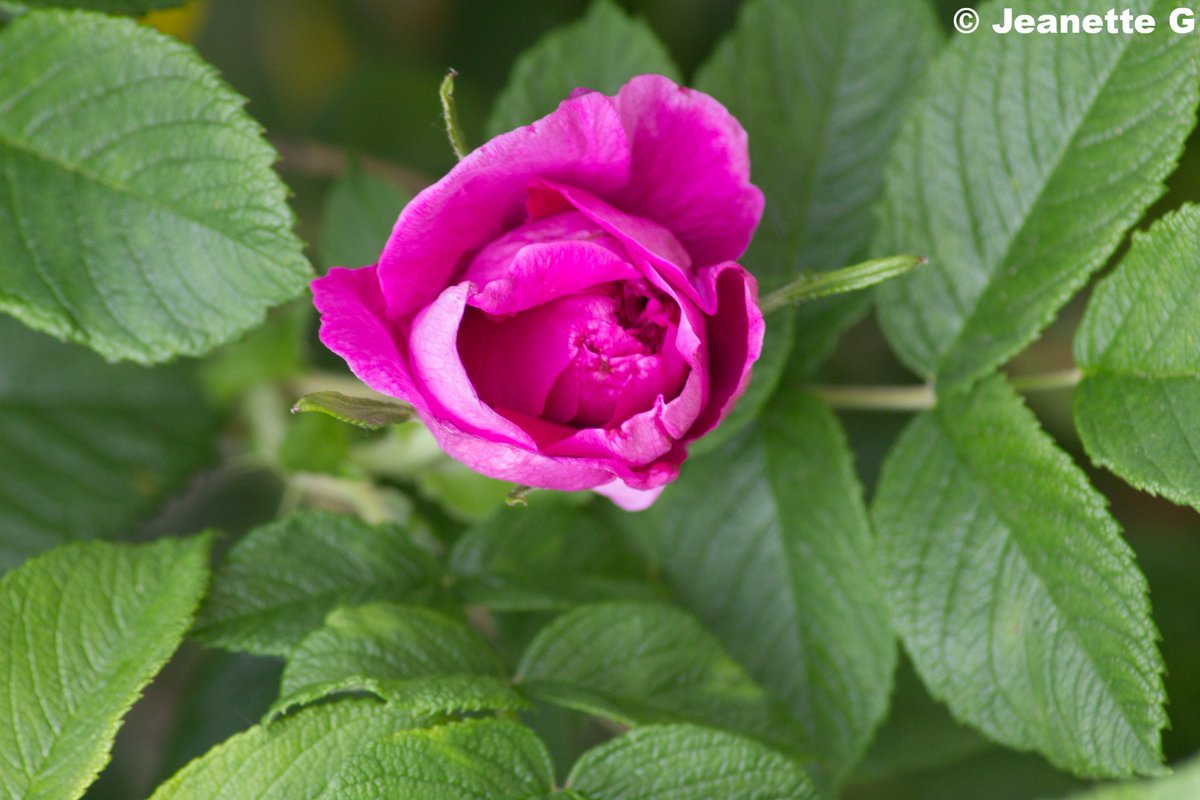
[(420, 661), (601, 52), (641, 663), (820, 86), (1138, 407), (359, 213), (684, 762), (1018, 173), (87, 448), (297, 758), (85, 627), (1014, 593), (139, 214), (277, 584), (473, 760), (767, 541)]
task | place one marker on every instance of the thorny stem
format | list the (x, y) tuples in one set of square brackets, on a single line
[(923, 397)]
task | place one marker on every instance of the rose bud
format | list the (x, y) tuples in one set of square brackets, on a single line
[(563, 309)]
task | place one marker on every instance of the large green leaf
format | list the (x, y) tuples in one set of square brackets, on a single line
[(683, 762), (358, 216), (767, 541), (110, 6), (87, 448), (85, 627), (820, 87), (1014, 593), (641, 663), (420, 661), (1017, 174), (474, 760), (601, 51), (138, 211), (1183, 785), (1138, 407), (277, 584), (297, 758), (553, 554)]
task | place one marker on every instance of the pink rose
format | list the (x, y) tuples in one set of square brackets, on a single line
[(563, 308)]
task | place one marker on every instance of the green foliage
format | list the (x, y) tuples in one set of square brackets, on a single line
[(474, 760), (87, 449), (599, 52), (1016, 597), (1017, 174), (1183, 785), (420, 661), (640, 663), (682, 762), (297, 758), (552, 555), (767, 541), (86, 626), (277, 584), (1138, 407), (141, 216), (109, 6), (359, 214), (365, 412)]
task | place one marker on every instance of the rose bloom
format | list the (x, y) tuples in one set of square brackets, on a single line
[(563, 309)]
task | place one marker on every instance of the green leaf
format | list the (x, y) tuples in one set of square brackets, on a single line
[(553, 554), (1014, 593), (139, 213), (473, 760), (641, 663), (767, 541), (297, 758), (365, 412), (1017, 175), (88, 448), (419, 660), (108, 6), (820, 87), (270, 352), (316, 443), (1138, 407), (1183, 785), (844, 280), (279, 582), (601, 51), (359, 214), (683, 762), (85, 628)]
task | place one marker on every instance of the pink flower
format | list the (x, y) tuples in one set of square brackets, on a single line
[(563, 308)]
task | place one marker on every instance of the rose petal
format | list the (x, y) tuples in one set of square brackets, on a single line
[(628, 498), (690, 170), (354, 325), (540, 273), (582, 143)]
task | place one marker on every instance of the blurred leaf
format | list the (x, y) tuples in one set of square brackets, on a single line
[(767, 541), (1183, 785), (269, 352), (641, 663), (601, 52), (108, 6), (359, 214), (473, 760), (820, 87), (684, 762), (141, 217), (1017, 175), (1018, 600), (553, 554), (88, 448), (87, 626), (315, 443), (278, 583), (296, 758), (420, 661), (1138, 407), (365, 412)]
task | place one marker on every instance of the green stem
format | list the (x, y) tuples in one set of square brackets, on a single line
[(812, 285), (458, 142), (923, 397)]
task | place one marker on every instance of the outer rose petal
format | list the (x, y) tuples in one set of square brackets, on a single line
[(354, 325), (582, 144), (691, 168), (628, 498)]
